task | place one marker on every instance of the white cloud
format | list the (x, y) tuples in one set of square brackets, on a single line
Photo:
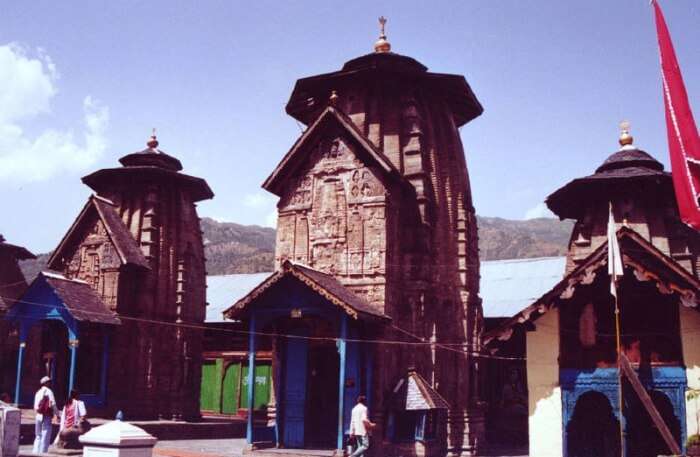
[(537, 211), (27, 86)]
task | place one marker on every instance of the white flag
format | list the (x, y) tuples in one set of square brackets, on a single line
[(614, 257)]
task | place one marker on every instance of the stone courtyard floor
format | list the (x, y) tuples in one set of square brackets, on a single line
[(230, 447)]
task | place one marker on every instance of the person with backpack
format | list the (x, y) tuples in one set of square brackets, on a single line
[(45, 408)]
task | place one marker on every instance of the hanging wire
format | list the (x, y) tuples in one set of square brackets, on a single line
[(445, 346)]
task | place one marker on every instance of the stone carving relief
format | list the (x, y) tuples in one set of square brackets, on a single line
[(93, 255), (333, 217)]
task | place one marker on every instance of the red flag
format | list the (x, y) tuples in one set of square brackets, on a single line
[(683, 140)]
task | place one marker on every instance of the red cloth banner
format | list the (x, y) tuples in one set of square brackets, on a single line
[(683, 140)]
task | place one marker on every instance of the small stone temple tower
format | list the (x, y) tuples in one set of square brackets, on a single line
[(138, 243), (642, 197), (376, 194)]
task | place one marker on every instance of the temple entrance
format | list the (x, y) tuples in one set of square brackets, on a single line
[(322, 396), (311, 377), (55, 357), (593, 430), (643, 438)]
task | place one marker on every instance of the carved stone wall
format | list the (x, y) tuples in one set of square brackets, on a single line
[(333, 218), (96, 262), (166, 377)]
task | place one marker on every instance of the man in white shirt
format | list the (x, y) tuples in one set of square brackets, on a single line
[(45, 408), (360, 425)]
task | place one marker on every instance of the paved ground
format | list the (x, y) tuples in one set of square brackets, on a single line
[(222, 448)]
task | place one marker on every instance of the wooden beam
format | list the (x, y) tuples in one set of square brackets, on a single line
[(666, 434)]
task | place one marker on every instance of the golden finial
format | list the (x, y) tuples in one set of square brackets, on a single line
[(626, 139), (333, 99), (153, 142), (382, 45)]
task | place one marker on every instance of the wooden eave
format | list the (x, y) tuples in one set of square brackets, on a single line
[(355, 307), (675, 278), (294, 158)]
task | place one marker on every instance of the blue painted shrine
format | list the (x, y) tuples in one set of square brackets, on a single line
[(51, 317)]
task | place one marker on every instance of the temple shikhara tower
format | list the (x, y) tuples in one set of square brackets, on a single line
[(131, 264), (376, 241)]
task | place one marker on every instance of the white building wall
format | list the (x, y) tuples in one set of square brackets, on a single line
[(690, 339), (544, 393)]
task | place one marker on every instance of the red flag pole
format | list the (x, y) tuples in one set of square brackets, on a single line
[(683, 139)]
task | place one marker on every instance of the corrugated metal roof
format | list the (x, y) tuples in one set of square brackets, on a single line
[(223, 291), (508, 286)]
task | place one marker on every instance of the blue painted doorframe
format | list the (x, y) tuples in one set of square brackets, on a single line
[(671, 381)]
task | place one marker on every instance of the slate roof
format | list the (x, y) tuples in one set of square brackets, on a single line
[(275, 183), (226, 289), (323, 284), (414, 393), (126, 246), (507, 286), (81, 301), (646, 260), (626, 167)]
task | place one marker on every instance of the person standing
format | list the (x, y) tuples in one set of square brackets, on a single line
[(360, 426), (45, 408)]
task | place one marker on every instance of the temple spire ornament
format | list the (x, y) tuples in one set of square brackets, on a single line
[(626, 139), (382, 45), (153, 141), (333, 99)]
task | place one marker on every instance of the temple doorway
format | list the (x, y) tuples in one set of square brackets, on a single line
[(310, 388), (643, 438), (593, 431), (322, 396), (55, 356)]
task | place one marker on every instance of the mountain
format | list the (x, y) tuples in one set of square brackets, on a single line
[(235, 248), (520, 239)]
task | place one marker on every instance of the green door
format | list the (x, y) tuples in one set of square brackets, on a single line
[(232, 383), (210, 385), (262, 386)]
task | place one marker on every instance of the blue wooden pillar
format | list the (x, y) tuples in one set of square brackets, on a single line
[(20, 359), (251, 379), (73, 343), (105, 365), (342, 349)]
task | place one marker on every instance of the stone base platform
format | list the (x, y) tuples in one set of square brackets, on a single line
[(206, 428)]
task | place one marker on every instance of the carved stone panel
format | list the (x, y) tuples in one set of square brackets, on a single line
[(333, 216)]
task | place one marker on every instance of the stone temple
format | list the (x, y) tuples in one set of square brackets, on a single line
[(377, 240)]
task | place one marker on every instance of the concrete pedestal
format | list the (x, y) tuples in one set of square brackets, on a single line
[(118, 439), (10, 419)]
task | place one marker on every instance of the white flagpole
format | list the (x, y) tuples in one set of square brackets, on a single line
[(615, 269)]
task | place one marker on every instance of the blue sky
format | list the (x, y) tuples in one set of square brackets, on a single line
[(82, 84)]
